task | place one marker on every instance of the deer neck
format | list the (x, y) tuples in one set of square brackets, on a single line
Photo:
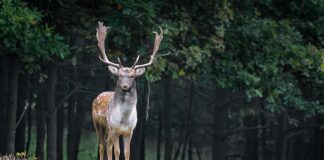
[(123, 107), (125, 97)]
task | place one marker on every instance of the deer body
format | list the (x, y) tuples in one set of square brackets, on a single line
[(114, 114)]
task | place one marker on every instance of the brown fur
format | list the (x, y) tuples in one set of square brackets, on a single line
[(99, 112)]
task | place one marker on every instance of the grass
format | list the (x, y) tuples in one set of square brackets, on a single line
[(88, 147)]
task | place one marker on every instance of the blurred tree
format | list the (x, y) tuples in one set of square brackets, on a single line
[(230, 54), (25, 41)]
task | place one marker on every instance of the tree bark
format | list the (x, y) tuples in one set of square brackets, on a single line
[(219, 143), (281, 139), (190, 149), (266, 155), (190, 119), (29, 126), (319, 137), (3, 102), (13, 98), (62, 89), (139, 133), (182, 140), (40, 121), (21, 114), (184, 147), (251, 152), (51, 113), (78, 130), (60, 132), (166, 116), (79, 119), (71, 129), (159, 136)]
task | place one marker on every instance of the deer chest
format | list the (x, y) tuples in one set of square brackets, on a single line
[(123, 118)]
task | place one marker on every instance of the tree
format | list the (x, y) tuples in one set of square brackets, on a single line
[(26, 41)]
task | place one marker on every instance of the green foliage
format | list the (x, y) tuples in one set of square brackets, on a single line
[(276, 56), (23, 34), (272, 59), (269, 52)]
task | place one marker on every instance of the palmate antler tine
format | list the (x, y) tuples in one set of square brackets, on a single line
[(158, 39), (101, 36)]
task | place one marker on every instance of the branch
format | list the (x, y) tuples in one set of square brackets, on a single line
[(295, 134), (211, 100), (250, 128), (21, 116), (66, 98)]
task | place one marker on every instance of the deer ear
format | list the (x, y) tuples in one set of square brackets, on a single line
[(139, 72), (113, 70)]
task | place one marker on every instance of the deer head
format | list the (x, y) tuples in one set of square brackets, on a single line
[(126, 75)]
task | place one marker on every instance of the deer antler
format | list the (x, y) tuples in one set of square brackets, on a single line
[(120, 64), (101, 36), (135, 61), (158, 39)]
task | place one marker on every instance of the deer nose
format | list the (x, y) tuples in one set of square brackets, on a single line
[(124, 87)]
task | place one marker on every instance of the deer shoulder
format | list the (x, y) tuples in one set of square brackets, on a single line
[(100, 108)]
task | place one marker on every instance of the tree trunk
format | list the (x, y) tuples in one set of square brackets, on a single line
[(51, 113), (13, 98), (75, 117), (29, 126), (251, 149), (166, 116), (320, 140), (3, 102), (266, 155), (219, 143), (21, 128), (40, 121), (60, 132), (79, 125), (74, 122), (281, 142), (190, 149), (71, 129), (188, 121), (21, 114), (139, 133), (197, 151), (184, 147), (182, 140), (190, 118), (159, 136), (63, 91)]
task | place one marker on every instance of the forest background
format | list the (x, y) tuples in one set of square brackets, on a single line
[(235, 80)]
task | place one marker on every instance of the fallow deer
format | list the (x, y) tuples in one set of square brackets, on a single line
[(114, 113)]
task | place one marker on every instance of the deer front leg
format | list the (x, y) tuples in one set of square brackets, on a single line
[(116, 147), (109, 148), (127, 141), (101, 150), (101, 136)]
